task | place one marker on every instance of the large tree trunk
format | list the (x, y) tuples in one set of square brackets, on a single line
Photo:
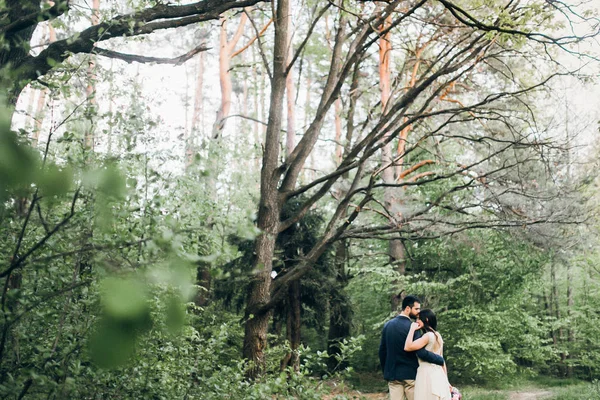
[(18, 47), (270, 204)]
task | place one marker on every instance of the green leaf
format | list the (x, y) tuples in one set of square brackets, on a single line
[(124, 298), (55, 181)]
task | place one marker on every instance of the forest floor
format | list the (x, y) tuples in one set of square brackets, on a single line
[(372, 387), (532, 394), (529, 394)]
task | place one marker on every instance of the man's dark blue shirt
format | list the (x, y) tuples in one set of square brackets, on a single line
[(396, 363)]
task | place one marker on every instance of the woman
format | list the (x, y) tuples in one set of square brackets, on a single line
[(432, 380)]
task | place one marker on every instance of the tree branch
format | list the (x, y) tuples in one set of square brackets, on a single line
[(130, 58), (262, 32), (59, 8), (19, 260), (134, 24), (472, 22)]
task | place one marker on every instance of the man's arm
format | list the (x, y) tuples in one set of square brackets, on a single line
[(427, 355), (382, 350)]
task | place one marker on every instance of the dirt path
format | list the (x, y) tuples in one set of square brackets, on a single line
[(530, 395)]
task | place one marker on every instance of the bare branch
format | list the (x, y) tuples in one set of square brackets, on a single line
[(130, 58), (261, 33), (161, 16), (17, 260)]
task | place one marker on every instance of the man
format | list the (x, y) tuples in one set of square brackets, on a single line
[(399, 366)]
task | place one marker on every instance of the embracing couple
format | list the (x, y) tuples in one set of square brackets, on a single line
[(412, 361)]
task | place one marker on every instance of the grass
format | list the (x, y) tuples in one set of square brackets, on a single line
[(580, 391), (562, 389), (477, 393)]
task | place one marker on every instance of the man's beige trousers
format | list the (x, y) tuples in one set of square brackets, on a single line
[(402, 390)]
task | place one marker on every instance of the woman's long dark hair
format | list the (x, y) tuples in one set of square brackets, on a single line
[(429, 320)]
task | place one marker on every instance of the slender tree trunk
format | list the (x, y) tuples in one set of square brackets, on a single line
[(224, 79), (307, 112), (203, 280), (41, 104), (293, 327), (198, 113), (270, 204), (256, 106), (339, 148), (391, 200), (559, 339), (570, 305), (226, 48), (340, 311), (91, 86), (291, 100)]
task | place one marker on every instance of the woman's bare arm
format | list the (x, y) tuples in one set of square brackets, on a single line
[(411, 345)]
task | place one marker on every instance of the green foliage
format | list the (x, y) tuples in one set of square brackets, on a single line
[(478, 286), (585, 391)]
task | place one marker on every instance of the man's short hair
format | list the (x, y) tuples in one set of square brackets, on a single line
[(409, 301)]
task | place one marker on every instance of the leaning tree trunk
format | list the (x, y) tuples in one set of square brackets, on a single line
[(270, 205)]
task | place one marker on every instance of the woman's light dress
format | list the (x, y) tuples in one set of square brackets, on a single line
[(432, 382)]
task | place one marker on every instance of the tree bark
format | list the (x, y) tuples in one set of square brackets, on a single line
[(339, 148), (226, 48), (290, 90), (570, 305), (24, 15), (17, 51), (559, 335), (340, 310), (198, 113), (270, 204), (41, 105), (391, 200), (293, 327)]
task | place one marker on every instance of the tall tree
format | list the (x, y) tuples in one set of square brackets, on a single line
[(469, 44)]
